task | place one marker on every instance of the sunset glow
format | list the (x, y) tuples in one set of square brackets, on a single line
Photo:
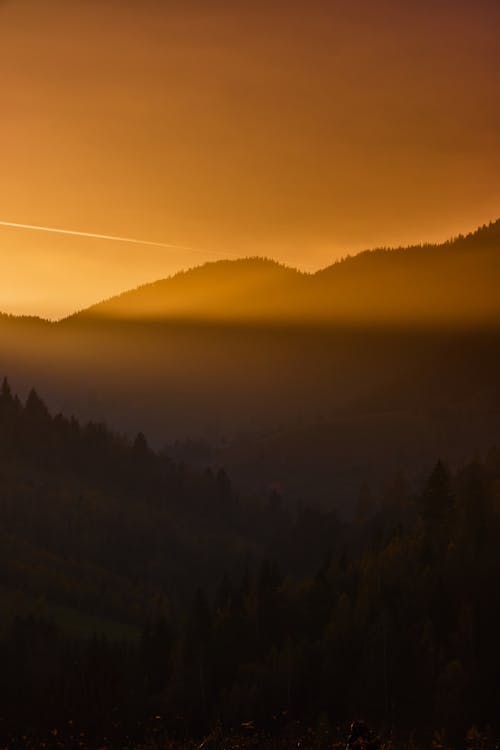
[(240, 129), (249, 374)]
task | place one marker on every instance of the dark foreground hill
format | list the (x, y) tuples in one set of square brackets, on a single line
[(143, 600), (110, 533), (391, 356)]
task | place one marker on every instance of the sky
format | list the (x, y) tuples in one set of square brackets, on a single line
[(301, 131)]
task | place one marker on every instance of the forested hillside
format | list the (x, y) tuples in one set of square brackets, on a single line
[(141, 597), (110, 527)]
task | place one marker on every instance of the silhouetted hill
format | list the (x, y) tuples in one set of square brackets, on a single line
[(249, 289), (454, 282)]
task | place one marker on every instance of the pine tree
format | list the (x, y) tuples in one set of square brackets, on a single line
[(437, 501)]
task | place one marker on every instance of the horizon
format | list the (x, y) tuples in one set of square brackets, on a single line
[(70, 312), (238, 130)]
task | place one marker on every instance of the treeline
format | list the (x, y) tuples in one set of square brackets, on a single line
[(398, 623)]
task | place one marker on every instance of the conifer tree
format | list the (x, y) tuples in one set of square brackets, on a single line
[(437, 501)]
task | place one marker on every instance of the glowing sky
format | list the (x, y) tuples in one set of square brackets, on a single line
[(298, 130)]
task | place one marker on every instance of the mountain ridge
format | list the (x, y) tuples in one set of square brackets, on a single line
[(429, 282), (242, 273)]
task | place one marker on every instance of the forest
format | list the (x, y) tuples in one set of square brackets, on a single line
[(143, 599)]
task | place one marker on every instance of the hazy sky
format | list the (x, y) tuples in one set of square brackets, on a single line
[(298, 130)]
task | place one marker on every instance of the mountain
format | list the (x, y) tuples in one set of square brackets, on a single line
[(455, 282), (392, 355), (452, 283), (251, 289)]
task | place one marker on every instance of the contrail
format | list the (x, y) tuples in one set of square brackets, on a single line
[(112, 237)]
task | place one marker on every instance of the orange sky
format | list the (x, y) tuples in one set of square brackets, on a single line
[(297, 130)]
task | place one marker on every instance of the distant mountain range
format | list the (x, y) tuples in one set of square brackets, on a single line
[(312, 383), (453, 282)]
